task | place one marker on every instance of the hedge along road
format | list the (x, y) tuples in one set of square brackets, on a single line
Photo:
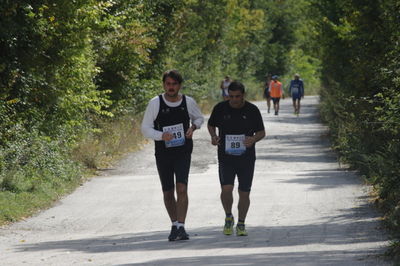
[(305, 210)]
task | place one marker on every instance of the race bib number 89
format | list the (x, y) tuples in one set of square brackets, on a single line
[(234, 144), (179, 135)]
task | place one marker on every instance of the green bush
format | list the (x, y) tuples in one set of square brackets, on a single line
[(31, 162), (361, 96)]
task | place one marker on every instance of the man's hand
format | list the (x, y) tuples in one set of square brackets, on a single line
[(215, 140), (166, 136), (189, 132), (249, 141)]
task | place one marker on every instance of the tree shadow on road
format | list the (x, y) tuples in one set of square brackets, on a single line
[(325, 179), (275, 258), (304, 158), (329, 242)]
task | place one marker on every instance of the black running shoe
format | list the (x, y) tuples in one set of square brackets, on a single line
[(182, 235), (174, 233)]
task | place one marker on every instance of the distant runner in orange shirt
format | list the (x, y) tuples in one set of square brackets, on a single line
[(276, 92)]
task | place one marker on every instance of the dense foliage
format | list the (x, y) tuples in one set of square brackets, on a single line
[(360, 56)]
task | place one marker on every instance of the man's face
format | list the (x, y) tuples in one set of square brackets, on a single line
[(236, 98), (171, 87), (296, 77)]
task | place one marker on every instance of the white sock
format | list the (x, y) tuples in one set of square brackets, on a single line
[(179, 225), (175, 223)]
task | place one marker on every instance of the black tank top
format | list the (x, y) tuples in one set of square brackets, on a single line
[(168, 116)]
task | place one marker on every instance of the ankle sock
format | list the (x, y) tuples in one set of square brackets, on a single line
[(179, 225)]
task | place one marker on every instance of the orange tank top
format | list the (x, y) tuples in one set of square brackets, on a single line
[(275, 89)]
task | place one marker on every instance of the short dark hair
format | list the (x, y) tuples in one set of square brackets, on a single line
[(174, 74), (236, 86)]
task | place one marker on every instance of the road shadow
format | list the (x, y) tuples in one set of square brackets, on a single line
[(306, 158), (320, 258), (351, 226), (325, 179)]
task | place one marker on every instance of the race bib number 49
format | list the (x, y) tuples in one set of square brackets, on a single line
[(234, 144), (178, 133)]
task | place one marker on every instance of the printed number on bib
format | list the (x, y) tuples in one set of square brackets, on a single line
[(234, 144), (178, 133), (295, 90)]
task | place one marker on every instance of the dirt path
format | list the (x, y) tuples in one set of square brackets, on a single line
[(304, 210)]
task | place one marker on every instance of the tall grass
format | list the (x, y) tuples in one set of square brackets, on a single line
[(112, 139)]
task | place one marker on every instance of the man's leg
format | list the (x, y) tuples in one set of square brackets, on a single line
[(245, 177), (170, 204), (227, 198), (274, 103), (243, 205), (227, 201), (294, 105), (166, 173), (181, 168), (227, 178), (182, 202), (277, 106), (298, 105)]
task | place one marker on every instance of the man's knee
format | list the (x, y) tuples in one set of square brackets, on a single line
[(227, 188), (244, 194), (181, 189), (168, 194)]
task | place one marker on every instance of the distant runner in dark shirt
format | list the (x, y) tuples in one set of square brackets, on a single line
[(296, 89)]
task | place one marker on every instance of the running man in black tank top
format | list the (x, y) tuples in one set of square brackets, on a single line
[(170, 120)]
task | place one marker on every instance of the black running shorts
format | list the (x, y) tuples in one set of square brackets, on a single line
[(170, 165), (275, 100), (242, 167)]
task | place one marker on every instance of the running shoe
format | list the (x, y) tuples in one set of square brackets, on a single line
[(228, 227), (241, 230), (182, 235), (174, 233)]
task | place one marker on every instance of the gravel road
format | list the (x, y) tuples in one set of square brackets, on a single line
[(305, 210)]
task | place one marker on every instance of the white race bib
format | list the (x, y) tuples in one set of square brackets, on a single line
[(234, 144), (295, 90), (178, 133)]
